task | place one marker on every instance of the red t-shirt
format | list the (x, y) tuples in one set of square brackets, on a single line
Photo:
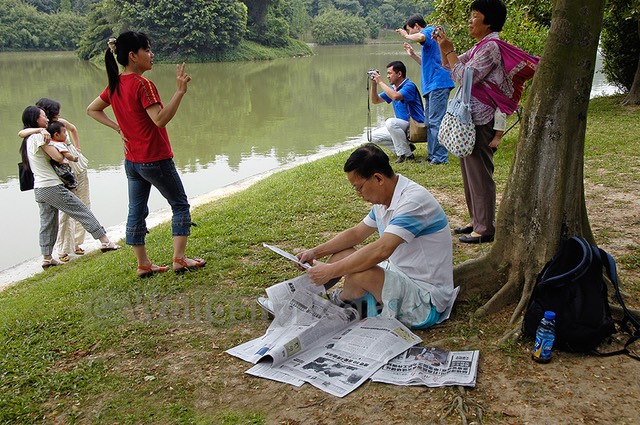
[(146, 142)]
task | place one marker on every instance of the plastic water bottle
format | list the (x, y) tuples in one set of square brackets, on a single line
[(545, 335)]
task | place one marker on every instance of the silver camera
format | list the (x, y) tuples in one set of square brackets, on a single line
[(372, 73)]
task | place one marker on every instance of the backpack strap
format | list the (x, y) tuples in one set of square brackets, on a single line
[(629, 323)]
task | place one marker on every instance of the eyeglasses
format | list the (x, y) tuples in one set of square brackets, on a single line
[(358, 189)]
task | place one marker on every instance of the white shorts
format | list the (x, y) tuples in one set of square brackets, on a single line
[(403, 299)]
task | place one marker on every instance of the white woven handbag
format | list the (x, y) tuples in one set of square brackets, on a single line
[(457, 132)]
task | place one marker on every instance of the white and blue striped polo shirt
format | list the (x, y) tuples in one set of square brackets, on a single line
[(427, 254)]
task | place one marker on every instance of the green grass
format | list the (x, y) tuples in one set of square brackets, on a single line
[(90, 342)]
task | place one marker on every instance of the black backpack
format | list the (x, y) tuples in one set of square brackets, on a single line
[(571, 284)]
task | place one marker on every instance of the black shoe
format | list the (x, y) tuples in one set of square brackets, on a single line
[(412, 147), (403, 158), (463, 230), (476, 239)]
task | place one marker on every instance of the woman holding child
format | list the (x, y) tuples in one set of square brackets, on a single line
[(50, 193), (70, 233), (141, 119)]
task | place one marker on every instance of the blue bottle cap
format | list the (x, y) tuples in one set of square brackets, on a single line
[(549, 315)]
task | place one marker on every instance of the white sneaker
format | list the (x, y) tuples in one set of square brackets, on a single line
[(334, 297), (265, 304)]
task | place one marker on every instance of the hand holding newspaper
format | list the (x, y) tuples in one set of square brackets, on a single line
[(286, 255)]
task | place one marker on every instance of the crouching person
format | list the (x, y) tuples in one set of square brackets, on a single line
[(408, 269)]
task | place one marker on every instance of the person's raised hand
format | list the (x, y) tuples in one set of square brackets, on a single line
[(45, 135), (440, 37), (408, 48), (402, 32), (182, 78)]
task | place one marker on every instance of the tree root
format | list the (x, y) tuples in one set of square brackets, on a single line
[(512, 334), (477, 277), (464, 406)]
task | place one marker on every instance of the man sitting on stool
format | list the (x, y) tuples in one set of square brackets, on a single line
[(405, 97)]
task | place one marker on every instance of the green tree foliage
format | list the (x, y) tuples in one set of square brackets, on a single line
[(23, 27), (200, 30), (395, 13), (45, 6), (193, 30), (337, 26), (52, 6), (104, 21), (269, 22), (620, 42), (64, 30), (299, 19), (377, 14)]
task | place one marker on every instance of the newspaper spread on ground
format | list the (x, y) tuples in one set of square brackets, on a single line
[(315, 341), (432, 367), (350, 357)]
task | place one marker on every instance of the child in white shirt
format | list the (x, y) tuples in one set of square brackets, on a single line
[(58, 140)]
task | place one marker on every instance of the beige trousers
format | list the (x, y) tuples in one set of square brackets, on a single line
[(70, 232)]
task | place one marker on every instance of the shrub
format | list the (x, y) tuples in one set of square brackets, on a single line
[(338, 27)]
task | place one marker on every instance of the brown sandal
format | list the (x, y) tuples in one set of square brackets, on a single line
[(146, 271), (185, 265), (51, 262)]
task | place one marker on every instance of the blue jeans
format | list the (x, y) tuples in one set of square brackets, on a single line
[(435, 106), (164, 177)]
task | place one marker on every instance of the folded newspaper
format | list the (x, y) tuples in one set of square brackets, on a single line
[(312, 340)]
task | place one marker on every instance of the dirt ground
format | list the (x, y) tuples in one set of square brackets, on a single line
[(510, 389)]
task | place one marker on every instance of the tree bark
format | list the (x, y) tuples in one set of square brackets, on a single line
[(544, 197), (633, 97)]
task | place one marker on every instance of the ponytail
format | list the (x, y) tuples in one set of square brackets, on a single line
[(113, 73)]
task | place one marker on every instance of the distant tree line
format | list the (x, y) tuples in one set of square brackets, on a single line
[(41, 26), (214, 29)]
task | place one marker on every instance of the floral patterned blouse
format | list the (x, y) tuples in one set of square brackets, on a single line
[(487, 66)]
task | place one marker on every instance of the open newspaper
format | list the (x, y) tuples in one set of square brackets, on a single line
[(430, 366), (312, 340)]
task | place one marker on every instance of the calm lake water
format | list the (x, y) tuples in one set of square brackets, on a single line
[(237, 120)]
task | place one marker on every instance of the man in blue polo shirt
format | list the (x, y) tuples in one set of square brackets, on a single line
[(436, 83), (404, 95)]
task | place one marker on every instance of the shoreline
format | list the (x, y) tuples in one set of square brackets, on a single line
[(16, 273)]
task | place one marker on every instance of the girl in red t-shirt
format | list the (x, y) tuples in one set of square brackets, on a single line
[(141, 119)]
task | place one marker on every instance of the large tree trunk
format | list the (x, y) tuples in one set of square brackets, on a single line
[(544, 197), (633, 97)]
